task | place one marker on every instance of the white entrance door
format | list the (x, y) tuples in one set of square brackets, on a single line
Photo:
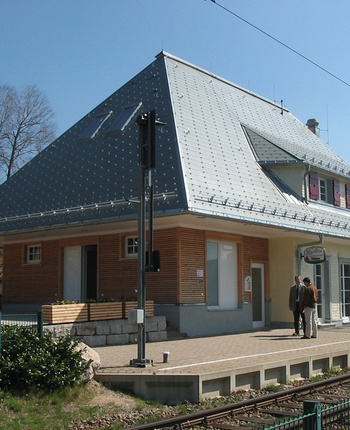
[(258, 295), (72, 280)]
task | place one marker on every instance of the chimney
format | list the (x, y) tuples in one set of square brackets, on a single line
[(312, 125)]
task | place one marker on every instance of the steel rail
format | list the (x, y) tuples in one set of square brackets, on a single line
[(204, 417)]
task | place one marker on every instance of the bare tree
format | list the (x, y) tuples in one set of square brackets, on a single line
[(26, 126)]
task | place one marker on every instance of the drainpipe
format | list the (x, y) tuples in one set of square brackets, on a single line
[(303, 245), (306, 198)]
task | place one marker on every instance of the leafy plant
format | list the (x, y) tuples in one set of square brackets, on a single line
[(28, 361), (272, 388), (64, 302)]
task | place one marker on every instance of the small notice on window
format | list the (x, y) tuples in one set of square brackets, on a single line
[(200, 273)]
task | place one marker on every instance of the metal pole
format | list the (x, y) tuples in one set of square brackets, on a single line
[(40, 318), (141, 341), (313, 421)]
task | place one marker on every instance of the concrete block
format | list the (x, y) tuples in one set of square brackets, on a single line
[(151, 326), (116, 327), (156, 336), (103, 328), (161, 325), (94, 341), (117, 339), (133, 338), (129, 328), (85, 330)]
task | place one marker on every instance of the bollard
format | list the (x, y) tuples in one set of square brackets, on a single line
[(165, 356)]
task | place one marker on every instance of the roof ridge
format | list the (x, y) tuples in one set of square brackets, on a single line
[(164, 54)]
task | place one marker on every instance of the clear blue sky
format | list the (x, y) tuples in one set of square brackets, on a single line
[(79, 52)]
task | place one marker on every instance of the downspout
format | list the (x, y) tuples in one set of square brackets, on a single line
[(306, 199), (303, 245)]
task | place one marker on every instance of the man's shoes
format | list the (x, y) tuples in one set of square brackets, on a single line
[(313, 337), (305, 337), (295, 334)]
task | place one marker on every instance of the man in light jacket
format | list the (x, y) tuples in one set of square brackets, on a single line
[(296, 295), (310, 309)]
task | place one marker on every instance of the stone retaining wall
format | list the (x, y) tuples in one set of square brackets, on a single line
[(111, 332)]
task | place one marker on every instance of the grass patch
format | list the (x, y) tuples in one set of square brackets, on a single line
[(42, 411)]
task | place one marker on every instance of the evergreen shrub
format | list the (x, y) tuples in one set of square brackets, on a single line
[(29, 362)]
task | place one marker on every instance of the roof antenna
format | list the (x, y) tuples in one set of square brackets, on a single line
[(281, 107)]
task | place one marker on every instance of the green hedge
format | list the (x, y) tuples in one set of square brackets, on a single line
[(46, 363)]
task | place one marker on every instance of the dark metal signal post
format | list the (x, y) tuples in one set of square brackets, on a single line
[(147, 125)]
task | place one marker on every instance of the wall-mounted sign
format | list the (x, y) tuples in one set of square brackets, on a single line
[(200, 273), (314, 255), (248, 283)]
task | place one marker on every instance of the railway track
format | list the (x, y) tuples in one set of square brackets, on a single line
[(284, 408)]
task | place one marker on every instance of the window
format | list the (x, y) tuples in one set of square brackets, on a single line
[(345, 290), (131, 246), (222, 276), (123, 119), (324, 189), (93, 128), (34, 254)]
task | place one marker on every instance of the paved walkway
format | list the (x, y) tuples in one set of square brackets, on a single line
[(215, 353)]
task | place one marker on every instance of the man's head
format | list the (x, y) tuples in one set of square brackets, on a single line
[(297, 279), (307, 281)]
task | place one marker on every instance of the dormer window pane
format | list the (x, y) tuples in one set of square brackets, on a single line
[(123, 119), (93, 128)]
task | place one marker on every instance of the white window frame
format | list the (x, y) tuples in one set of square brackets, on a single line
[(226, 276), (131, 246), (34, 254), (344, 290), (325, 185)]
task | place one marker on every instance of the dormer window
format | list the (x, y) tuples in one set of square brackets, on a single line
[(324, 189)]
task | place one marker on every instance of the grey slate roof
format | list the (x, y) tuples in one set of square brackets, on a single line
[(204, 163)]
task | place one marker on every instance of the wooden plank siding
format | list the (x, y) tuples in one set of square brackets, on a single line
[(255, 250), (30, 283), (182, 254), (192, 258)]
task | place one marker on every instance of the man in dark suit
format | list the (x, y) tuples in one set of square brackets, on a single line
[(296, 295)]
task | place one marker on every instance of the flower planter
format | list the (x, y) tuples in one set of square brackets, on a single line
[(132, 304), (105, 311), (82, 312), (61, 314)]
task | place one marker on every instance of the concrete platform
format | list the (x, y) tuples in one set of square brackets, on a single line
[(214, 366)]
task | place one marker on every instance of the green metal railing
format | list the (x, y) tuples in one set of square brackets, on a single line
[(316, 418), (22, 320)]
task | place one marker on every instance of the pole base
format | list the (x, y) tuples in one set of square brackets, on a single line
[(143, 362)]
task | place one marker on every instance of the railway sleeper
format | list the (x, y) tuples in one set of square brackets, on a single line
[(279, 412), (254, 419), (221, 426)]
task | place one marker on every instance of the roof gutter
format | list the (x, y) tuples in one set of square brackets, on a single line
[(306, 199), (303, 245)]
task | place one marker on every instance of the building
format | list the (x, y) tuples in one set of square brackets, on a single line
[(241, 189)]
